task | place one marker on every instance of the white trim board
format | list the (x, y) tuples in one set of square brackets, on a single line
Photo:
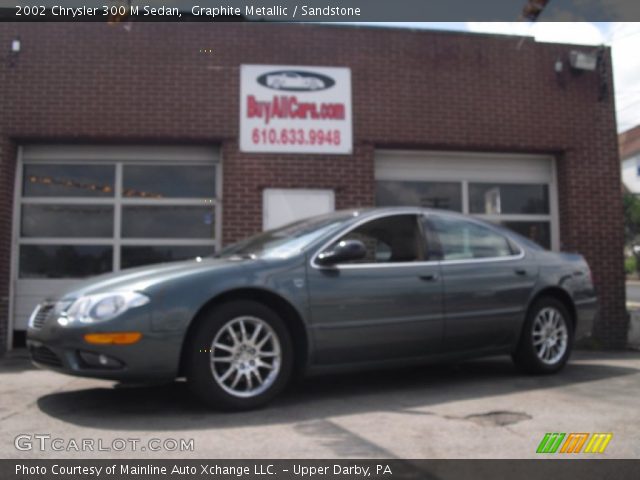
[(459, 166), (118, 153)]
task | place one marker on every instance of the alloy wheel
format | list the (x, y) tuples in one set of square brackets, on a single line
[(246, 357), (550, 335)]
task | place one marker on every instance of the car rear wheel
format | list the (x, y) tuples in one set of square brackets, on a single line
[(546, 339), (240, 356)]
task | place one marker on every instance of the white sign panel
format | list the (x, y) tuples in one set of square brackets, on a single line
[(285, 205), (293, 109)]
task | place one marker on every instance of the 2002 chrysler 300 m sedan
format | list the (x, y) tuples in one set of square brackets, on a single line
[(350, 289)]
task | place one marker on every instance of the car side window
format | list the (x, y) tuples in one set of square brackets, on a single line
[(462, 240), (395, 238)]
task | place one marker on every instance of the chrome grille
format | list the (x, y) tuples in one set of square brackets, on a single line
[(42, 314)]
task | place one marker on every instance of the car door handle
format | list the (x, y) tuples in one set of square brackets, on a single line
[(520, 271), (429, 277)]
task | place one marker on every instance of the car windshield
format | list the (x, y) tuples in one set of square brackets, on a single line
[(288, 240)]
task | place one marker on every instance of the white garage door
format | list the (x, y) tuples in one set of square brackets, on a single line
[(517, 191), (86, 210)]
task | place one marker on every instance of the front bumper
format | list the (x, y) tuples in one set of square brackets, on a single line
[(63, 349)]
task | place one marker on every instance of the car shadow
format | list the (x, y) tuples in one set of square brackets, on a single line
[(171, 407)]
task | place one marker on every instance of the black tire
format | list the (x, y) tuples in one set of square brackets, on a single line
[(199, 370), (526, 357)]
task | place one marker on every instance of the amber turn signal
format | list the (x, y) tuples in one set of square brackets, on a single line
[(117, 338)]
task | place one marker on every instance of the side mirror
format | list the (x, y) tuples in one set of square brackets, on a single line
[(343, 251)]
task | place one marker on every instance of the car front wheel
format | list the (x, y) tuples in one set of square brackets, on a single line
[(240, 356), (546, 339)]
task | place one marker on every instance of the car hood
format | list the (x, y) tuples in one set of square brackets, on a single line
[(143, 278)]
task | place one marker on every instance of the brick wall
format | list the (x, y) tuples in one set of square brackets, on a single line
[(411, 89)]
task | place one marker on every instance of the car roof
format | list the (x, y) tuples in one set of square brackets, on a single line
[(374, 211)]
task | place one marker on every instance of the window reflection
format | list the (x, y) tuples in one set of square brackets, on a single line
[(503, 198), (168, 181), (64, 261), (462, 240), (444, 195), (135, 256), (68, 180), (539, 232), (167, 222), (88, 221)]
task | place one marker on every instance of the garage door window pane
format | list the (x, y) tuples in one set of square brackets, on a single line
[(64, 261), (445, 195), (146, 255), (169, 181), (88, 221), (503, 198), (68, 180), (539, 232), (167, 222)]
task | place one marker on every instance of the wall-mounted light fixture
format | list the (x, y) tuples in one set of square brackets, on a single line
[(14, 51), (591, 61), (583, 61), (16, 46), (558, 66)]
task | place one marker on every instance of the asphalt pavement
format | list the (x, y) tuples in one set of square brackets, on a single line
[(479, 409)]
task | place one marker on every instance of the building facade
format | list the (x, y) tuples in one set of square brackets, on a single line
[(120, 146)]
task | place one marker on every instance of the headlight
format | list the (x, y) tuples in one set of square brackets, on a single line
[(101, 307)]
